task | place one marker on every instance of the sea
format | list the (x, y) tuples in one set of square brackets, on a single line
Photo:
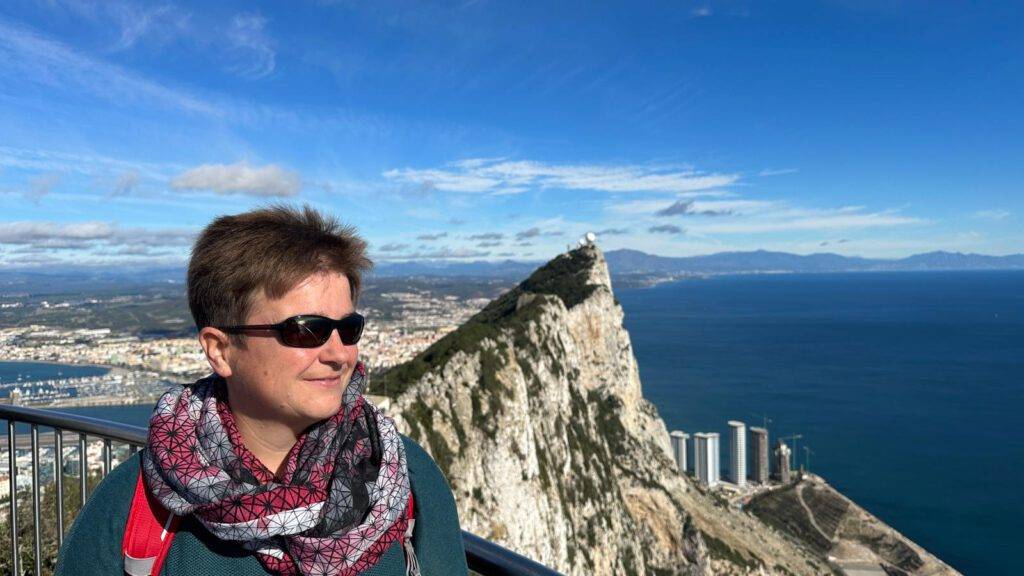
[(906, 389)]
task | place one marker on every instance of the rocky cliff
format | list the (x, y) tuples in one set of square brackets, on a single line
[(534, 411)]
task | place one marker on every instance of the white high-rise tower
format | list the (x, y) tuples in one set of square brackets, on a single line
[(705, 455), (679, 448), (738, 444)]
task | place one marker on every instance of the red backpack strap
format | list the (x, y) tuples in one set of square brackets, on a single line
[(148, 533), (412, 564)]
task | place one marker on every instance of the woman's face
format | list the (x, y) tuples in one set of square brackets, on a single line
[(293, 386)]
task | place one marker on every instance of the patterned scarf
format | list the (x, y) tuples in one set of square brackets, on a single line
[(340, 504)]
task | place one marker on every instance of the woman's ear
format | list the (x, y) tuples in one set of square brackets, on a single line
[(217, 346)]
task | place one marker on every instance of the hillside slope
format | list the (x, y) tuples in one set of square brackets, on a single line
[(534, 411)]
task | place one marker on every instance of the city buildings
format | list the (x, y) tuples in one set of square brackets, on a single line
[(678, 438), (738, 452), (759, 454), (705, 456)]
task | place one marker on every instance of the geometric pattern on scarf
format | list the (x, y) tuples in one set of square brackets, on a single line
[(339, 504)]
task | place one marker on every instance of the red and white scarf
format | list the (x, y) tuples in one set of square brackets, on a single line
[(340, 503)]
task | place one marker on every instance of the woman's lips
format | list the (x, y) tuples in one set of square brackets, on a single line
[(329, 381)]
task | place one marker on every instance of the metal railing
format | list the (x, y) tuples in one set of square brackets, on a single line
[(483, 556)]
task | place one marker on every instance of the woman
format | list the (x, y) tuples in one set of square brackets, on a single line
[(276, 462)]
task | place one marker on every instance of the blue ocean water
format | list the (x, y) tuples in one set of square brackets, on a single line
[(35, 371), (908, 388)]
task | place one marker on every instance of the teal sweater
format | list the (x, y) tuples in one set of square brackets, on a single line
[(93, 545)]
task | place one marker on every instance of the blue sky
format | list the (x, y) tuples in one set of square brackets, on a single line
[(486, 130)]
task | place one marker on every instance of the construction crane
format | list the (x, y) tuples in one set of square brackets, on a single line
[(764, 419), (807, 457)]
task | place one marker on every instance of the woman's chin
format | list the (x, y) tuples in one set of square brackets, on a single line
[(320, 402)]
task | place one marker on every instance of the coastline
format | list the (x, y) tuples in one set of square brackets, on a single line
[(83, 401), (108, 367)]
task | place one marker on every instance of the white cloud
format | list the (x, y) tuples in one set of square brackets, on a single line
[(736, 206), (792, 220), (240, 178), (30, 232), (444, 253), (742, 216), (499, 176), (42, 234), (993, 214)]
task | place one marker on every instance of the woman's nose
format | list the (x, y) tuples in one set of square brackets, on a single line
[(335, 352)]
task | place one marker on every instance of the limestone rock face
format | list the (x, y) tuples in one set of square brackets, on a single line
[(534, 411)]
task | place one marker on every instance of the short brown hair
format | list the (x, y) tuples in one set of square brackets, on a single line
[(272, 249)]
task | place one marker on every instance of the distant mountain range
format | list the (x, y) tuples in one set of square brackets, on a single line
[(620, 262), (626, 261), (636, 262)]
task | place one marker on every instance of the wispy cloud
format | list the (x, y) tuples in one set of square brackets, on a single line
[(429, 237), (487, 236), (686, 207), (29, 56), (535, 232), (802, 219), (666, 229), (130, 22), (722, 207), (240, 178), (126, 182), (91, 235), (78, 163), (993, 214), (742, 216), (834, 242), (443, 253), (777, 172), (500, 176), (393, 247), (40, 186), (253, 51)]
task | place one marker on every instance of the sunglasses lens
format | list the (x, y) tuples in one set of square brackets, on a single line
[(350, 328), (307, 332), (313, 331)]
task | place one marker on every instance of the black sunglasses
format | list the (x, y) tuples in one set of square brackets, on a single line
[(308, 331)]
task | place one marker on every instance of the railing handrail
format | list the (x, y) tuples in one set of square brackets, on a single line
[(75, 423), (482, 555)]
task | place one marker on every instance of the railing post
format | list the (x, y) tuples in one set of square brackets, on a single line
[(37, 521), (12, 468), (58, 480), (83, 468), (106, 457)]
